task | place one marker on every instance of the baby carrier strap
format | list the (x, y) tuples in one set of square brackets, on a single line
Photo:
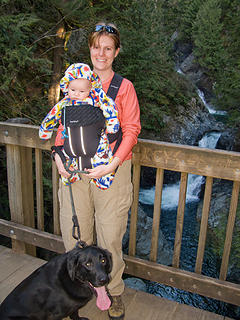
[(112, 93)]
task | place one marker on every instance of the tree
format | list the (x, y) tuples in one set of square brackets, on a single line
[(189, 10), (145, 60), (207, 36)]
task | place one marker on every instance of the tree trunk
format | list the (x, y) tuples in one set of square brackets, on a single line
[(54, 90)]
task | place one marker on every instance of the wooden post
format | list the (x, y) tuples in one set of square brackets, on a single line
[(20, 190)]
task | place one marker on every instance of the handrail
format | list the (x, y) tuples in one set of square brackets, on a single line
[(21, 139)]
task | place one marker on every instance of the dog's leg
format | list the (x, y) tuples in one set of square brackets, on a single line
[(75, 316)]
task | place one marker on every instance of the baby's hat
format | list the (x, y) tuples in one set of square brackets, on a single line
[(79, 71)]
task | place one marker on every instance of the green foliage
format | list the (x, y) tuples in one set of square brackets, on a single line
[(189, 13), (21, 67), (145, 60), (213, 28), (207, 31), (27, 39)]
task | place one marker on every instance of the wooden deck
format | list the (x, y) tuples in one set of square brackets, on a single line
[(139, 305)]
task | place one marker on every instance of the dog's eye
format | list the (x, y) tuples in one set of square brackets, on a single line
[(103, 260), (88, 264)]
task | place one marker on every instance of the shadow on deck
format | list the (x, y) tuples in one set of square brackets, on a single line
[(139, 305)]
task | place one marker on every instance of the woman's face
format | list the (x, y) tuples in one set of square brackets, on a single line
[(103, 53)]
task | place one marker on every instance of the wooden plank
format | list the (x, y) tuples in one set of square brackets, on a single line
[(148, 307), (27, 192), (204, 224), (32, 236), (188, 281), (180, 217), (55, 185), (184, 312), (182, 158), (24, 135), (229, 231), (14, 268), (39, 189), (156, 214), (134, 210), (15, 190)]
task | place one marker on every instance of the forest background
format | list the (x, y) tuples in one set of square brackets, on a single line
[(40, 39)]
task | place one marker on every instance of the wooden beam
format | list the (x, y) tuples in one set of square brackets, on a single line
[(182, 158), (204, 225), (134, 210), (188, 281), (32, 236), (55, 186), (39, 189), (179, 221), (156, 214), (24, 135), (229, 230)]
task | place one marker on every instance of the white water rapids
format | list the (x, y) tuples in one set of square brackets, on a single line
[(170, 194)]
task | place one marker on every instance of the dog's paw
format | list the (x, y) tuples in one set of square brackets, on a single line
[(76, 317)]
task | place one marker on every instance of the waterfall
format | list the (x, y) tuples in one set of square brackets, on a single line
[(202, 97), (209, 106), (170, 192)]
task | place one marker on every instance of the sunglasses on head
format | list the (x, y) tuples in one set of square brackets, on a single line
[(109, 29)]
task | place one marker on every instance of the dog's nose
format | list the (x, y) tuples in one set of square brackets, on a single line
[(103, 280)]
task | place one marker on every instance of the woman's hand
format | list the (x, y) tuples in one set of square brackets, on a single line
[(61, 170), (102, 170)]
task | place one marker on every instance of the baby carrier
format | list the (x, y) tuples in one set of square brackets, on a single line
[(83, 127)]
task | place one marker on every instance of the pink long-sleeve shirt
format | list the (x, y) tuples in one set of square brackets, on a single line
[(129, 117)]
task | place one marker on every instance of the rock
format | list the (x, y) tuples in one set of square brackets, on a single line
[(143, 240), (226, 140), (220, 202), (135, 283)]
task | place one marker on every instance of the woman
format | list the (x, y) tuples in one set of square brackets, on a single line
[(107, 210)]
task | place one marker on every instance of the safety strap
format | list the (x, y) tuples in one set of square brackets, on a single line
[(112, 93), (114, 86)]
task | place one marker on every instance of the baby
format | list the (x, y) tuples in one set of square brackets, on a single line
[(83, 91)]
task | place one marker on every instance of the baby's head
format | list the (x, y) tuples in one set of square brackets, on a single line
[(79, 89), (77, 81)]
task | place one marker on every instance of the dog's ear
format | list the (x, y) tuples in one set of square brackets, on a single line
[(72, 262), (109, 261)]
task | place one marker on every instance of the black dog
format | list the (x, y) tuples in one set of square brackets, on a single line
[(60, 287)]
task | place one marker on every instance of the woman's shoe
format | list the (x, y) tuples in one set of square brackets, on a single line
[(117, 310)]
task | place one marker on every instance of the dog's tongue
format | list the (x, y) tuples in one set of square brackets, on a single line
[(103, 301)]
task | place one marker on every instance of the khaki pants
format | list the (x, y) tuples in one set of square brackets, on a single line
[(108, 209)]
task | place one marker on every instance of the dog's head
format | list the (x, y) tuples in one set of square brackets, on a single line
[(91, 263)]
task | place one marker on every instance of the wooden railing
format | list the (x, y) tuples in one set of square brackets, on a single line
[(27, 209)]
